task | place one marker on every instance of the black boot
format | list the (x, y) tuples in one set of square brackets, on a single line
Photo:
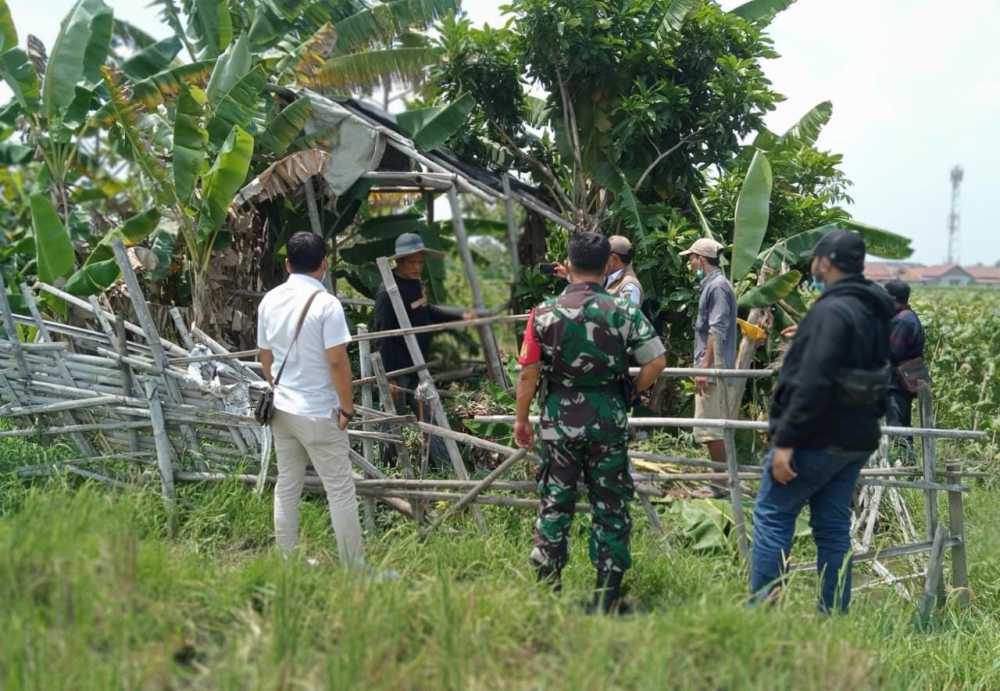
[(550, 575), (608, 594)]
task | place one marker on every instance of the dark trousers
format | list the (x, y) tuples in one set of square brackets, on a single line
[(407, 403), (825, 482), (899, 413)]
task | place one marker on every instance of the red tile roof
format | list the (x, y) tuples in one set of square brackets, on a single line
[(984, 274)]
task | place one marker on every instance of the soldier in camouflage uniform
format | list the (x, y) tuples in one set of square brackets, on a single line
[(578, 346)]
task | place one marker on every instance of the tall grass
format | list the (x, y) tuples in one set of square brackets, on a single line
[(96, 596)]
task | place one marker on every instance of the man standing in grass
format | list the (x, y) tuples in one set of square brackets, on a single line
[(906, 355), (578, 346), (303, 327), (824, 421), (715, 339)]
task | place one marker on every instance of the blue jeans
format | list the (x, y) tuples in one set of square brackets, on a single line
[(825, 481)]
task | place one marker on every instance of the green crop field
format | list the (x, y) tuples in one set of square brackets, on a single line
[(96, 594)]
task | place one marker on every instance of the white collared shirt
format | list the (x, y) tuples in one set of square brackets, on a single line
[(306, 386)]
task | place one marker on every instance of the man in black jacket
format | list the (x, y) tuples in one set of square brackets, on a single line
[(824, 421), (906, 343), (410, 257)]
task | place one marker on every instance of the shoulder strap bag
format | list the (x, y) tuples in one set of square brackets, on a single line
[(264, 410)]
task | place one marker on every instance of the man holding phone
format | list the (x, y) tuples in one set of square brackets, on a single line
[(303, 327)]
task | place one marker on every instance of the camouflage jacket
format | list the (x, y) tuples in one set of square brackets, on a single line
[(584, 340)]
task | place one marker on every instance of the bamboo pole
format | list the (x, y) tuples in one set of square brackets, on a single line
[(478, 489), (367, 446), (84, 305), (934, 581), (69, 429), (508, 201), (62, 370), (164, 452), (219, 349), (956, 527), (736, 494), (929, 459), (11, 329), (151, 334), (417, 357), (490, 350), (755, 425), (446, 326)]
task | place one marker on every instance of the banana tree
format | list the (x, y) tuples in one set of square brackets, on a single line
[(771, 277)]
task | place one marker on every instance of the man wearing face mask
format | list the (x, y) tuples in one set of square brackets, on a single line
[(715, 338), (621, 280), (824, 421)]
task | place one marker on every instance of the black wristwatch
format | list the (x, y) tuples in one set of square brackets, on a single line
[(348, 415)]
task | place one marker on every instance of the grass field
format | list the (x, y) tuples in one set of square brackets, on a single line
[(94, 594)]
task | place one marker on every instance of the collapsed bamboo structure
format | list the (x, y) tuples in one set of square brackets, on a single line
[(141, 408)]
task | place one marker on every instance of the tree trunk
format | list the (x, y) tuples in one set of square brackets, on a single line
[(531, 246)]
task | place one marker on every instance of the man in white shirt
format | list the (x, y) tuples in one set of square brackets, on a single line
[(313, 401)]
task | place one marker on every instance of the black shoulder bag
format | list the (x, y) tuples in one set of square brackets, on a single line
[(264, 410)]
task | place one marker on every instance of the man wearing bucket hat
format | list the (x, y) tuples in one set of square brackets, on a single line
[(824, 421), (715, 339), (410, 254)]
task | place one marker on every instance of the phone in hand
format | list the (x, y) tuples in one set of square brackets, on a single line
[(547, 269)]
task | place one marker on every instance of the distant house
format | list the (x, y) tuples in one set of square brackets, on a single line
[(985, 275), (939, 275)]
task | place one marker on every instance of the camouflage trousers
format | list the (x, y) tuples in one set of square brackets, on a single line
[(605, 471)]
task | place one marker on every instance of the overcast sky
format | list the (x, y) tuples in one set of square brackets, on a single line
[(914, 85)]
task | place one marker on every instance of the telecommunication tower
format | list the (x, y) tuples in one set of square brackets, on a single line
[(954, 221)]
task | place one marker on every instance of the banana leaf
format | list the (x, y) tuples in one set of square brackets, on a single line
[(221, 184), (14, 154), (211, 24), (879, 242), (762, 11), (133, 231), (190, 142), (391, 226), (773, 290), (444, 123), (93, 278), (674, 13), (809, 126), (153, 59), (705, 227), (238, 107), (230, 67), (368, 252), (78, 53), (752, 213), (371, 67), (22, 79), (162, 245), (797, 249), (53, 247), (153, 91), (8, 32), (384, 21), (286, 126)]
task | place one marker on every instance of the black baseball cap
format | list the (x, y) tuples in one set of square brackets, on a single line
[(844, 248), (900, 290)]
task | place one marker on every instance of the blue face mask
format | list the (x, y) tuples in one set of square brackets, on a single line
[(818, 285), (699, 274)]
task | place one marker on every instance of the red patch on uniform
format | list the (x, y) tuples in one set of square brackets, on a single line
[(531, 350)]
